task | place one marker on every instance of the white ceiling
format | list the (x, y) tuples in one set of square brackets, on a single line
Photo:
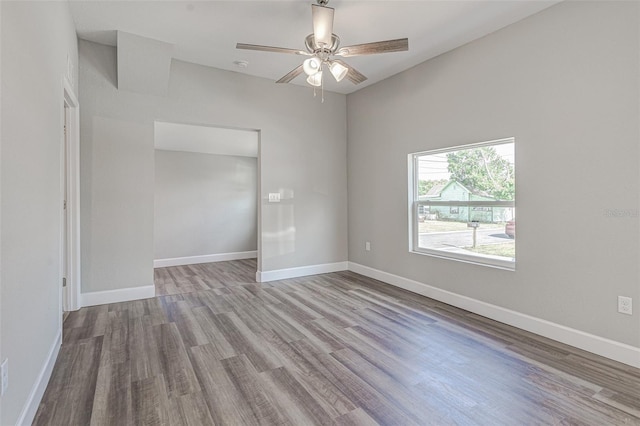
[(206, 32)]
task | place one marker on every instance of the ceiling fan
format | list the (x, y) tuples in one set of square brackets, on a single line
[(323, 46)]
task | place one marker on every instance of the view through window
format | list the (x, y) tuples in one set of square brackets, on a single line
[(463, 203)]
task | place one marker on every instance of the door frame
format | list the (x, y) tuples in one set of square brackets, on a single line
[(70, 295)]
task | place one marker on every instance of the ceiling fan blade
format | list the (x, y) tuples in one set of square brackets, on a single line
[(398, 45), (322, 25), (354, 76), (270, 49), (291, 75)]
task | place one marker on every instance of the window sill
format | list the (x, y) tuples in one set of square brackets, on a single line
[(487, 261)]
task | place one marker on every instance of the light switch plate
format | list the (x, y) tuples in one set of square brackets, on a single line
[(274, 197)]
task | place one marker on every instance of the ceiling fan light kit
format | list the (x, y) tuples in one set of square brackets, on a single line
[(338, 70), (323, 45), (315, 79), (311, 65)]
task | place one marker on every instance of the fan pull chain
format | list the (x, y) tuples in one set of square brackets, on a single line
[(322, 88)]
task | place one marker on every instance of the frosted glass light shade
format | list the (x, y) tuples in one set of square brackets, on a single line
[(311, 65), (339, 71), (315, 79)]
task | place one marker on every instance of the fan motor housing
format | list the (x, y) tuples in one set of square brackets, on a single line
[(312, 47)]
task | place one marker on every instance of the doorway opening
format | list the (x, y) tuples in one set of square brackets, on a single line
[(206, 207)]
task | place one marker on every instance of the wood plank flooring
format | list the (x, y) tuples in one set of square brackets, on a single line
[(335, 349)]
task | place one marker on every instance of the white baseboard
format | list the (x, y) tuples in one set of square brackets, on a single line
[(207, 258), (30, 408), (119, 295), (611, 349), (302, 271)]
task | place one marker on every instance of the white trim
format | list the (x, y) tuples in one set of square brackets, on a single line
[(617, 351), (120, 295), (259, 201), (30, 408), (207, 258), (301, 271), (71, 300)]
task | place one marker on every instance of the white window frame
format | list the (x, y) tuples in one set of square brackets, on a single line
[(414, 203)]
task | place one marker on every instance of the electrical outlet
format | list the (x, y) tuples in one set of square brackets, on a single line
[(367, 246), (625, 305), (4, 376)]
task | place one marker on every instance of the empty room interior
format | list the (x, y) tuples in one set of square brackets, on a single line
[(320, 212)]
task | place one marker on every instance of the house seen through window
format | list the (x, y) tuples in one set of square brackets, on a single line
[(463, 203)]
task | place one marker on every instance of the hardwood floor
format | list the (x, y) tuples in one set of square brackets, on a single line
[(340, 349)]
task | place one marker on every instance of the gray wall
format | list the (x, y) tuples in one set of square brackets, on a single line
[(303, 156), (565, 84), (204, 204), (36, 39)]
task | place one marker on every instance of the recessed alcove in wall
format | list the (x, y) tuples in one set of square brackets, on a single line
[(206, 194)]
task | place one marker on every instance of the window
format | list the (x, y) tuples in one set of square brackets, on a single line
[(469, 194)]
